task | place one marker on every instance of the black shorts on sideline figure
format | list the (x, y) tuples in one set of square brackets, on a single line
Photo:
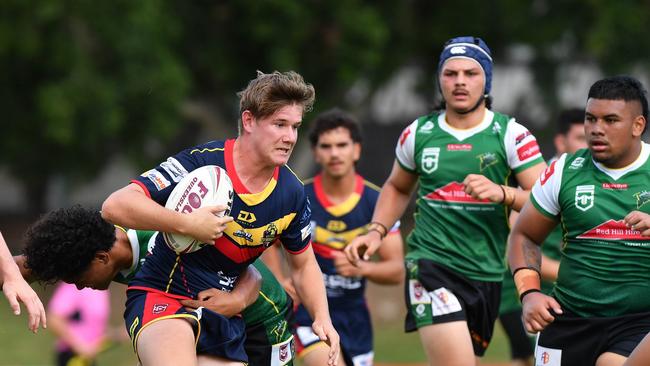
[(571, 340), (435, 294)]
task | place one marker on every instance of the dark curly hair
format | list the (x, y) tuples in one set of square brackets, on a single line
[(62, 243)]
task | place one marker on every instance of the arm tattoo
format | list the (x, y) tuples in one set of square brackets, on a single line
[(532, 255)]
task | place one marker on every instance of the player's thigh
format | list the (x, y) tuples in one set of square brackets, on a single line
[(448, 344), (641, 354), (318, 355), (610, 359), (167, 342), (207, 360)]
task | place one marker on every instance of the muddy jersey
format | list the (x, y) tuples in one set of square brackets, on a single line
[(279, 212), (605, 266), (333, 227), (451, 227)]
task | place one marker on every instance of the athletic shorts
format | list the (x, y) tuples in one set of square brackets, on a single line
[(521, 344), (214, 334), (435, 294), (353, 326), (573, 340), (271, 342)]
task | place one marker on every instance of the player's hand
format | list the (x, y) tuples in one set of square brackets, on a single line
[(480, 188), (637, 220), (535, 311), (326, 332), (205, 224), (17, 289), (221, 302), (363, 245), (344, 267)]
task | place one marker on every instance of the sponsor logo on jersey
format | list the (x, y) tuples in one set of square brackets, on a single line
[(159, 308), (175, 169), (528, 150), (405, 135), (642, 198), (157, 178), (459, 147), (430, 156), (246, 216), (520, 138), (269, 235), (548, 172), (336, 225), (584, 198), (306, 231), (427, 127), (228, 282), (244, 235), (577, 163), (613, 230), (486, 160), (454, 192), (615, 186)]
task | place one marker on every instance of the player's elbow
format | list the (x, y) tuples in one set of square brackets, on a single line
[(110, 208)]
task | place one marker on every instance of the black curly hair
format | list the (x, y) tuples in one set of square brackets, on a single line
[(62, 243)]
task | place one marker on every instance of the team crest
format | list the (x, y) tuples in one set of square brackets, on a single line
[(642, 198), (584, 199), (268, 237), (486, 160), (430, 157)]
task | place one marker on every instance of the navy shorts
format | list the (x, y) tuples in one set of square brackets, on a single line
[(353, 326), (215, 334)]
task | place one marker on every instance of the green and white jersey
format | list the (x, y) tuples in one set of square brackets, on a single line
[(452, 228), (552, 248), (605, 266), (142, 243)]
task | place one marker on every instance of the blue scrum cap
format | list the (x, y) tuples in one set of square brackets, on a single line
[(472, 48)]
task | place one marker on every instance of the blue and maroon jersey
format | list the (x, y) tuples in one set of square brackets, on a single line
[(279, 212), (333, 227)]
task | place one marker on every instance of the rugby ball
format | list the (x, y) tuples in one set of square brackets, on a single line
[(206, 186)]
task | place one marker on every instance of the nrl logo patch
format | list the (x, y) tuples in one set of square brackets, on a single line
[(642, 198), (577, 163), (487, 160), (427, 127), (429, 160), (584, 198)]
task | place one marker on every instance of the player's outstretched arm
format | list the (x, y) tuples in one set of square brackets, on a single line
[(229, 304), (130, 207), (525, 259), (16, 289), (391, 204), (308, 280)]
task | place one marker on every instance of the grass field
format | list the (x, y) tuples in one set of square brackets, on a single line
[(19, 347)]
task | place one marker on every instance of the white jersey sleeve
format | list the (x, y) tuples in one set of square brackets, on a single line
[(405, 149), (521, 146), (546, 191)]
